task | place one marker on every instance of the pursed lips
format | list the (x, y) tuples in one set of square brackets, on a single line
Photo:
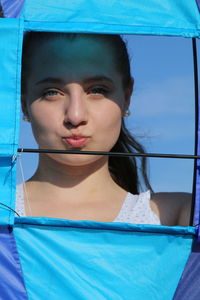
[(76, 140)]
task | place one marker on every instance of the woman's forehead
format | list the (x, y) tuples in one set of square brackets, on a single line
[(60, 57)]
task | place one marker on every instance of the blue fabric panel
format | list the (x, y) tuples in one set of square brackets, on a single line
[(197, 187), (11, 283), (7, 190), (118, 16), (10, 66), (12, 9), (110, 29), (198, 3), (189, 285), (64, 259)]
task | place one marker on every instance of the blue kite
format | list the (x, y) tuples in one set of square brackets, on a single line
[(46, 258)]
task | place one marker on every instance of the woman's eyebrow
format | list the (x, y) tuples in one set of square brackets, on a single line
[(51, 80), (92, 79), (98, 78)]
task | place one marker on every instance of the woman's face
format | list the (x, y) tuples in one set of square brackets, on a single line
[(75, 98)]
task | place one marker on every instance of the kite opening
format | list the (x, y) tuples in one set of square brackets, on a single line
[(157, 92)]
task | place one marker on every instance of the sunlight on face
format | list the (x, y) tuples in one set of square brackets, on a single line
[(75, 98)]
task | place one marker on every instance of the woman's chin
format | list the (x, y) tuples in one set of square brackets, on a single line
[(77, 160)]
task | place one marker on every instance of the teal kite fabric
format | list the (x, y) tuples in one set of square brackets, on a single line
[(92, 260), (147, 16), (126, 17), (10, 66)]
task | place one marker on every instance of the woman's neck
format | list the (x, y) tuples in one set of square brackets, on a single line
[(77, 193), (54, 173)]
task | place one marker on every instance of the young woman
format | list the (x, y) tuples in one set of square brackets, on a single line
[(76, 90)]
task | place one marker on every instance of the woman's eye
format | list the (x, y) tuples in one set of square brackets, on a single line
[(50, 94), (98, 91)]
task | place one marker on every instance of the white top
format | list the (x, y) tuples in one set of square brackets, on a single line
[(135, 209)]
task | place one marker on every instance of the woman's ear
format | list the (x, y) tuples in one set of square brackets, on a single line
[(128, 93)]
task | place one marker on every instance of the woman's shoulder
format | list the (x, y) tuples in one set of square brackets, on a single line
[(136, 209), (173, 208)]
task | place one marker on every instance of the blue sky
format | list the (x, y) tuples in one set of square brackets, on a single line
[(162, 110)]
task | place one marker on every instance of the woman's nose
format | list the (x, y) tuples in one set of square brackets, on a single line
[(76, 110)]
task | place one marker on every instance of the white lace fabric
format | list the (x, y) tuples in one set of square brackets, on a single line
[(135, 209)]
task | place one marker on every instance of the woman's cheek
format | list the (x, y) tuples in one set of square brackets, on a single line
[(110, 128), (42, 130), (43, 118)]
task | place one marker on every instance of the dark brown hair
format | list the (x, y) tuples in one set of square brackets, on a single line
[(1, 12), (125, 170)]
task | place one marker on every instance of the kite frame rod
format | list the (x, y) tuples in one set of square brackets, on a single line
[(196, 95), (120, 154)]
